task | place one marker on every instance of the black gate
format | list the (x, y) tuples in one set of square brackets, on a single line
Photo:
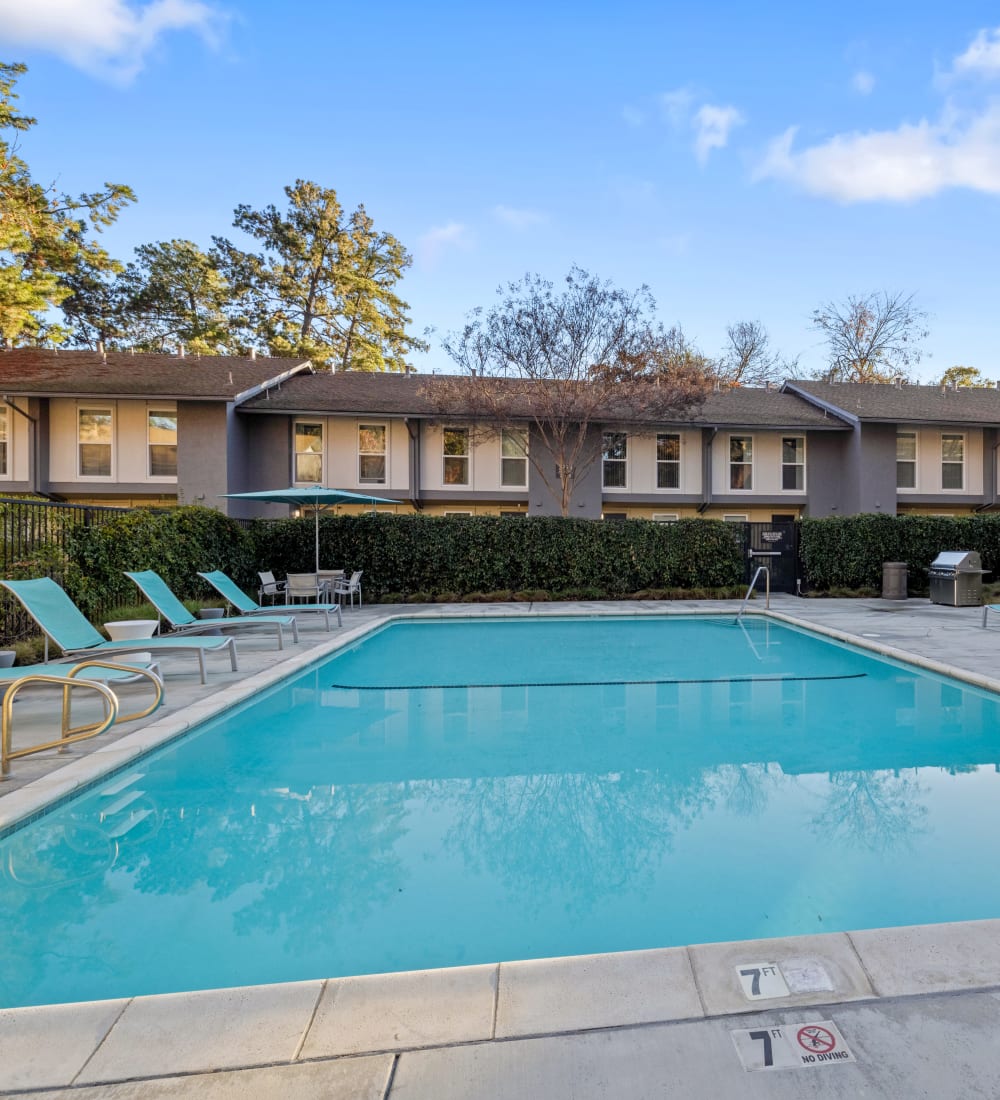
[(775, 545)]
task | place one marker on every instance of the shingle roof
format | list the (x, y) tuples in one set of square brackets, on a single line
[(905, 404), (359, 393), (44, 372)]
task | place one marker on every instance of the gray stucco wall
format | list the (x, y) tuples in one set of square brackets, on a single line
[(202, 453), (870, 470), (586, 501), (259, 458), (826, 477)]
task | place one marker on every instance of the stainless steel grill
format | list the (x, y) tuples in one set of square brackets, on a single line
[(956, 578)]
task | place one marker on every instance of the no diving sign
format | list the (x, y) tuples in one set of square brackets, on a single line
[(792, 1046)]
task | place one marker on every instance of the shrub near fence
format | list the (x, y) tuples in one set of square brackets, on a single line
[(848, 552), (457, 556)]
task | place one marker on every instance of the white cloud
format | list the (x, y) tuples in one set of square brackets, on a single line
[(983, 55), (676, 106), (440, 238), (863, 82), (902, 165), (109, 38), (713, 125), (518, 219)]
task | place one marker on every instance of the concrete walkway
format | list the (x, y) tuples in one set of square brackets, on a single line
[(911, 1012)]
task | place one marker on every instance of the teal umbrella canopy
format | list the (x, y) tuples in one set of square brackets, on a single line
[(310, 496)]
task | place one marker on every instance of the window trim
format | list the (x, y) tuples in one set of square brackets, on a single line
[(746, 488), (618, 462), (735, 517), (384, 480), (318, 423), (111, 410), (914, 462), (961, 465), (668, 461), (160, 410), (466, 455), (6, 423), (793, 465), (523, 432), (665, 517)]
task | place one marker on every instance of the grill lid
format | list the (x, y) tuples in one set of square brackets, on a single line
[(958, 561)]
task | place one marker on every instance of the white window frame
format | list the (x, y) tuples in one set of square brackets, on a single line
[(665, 517), (960, 436), (159, 410), (5, 425), (793, 465), (736, 517), (460, 515), (667, 462), (750, 464), (522, 458), (908, 461), (93, 407), (296, 480), (466, 455), (616, 463), (384, 453)]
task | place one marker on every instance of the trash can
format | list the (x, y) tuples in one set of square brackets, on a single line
[(894, 580)]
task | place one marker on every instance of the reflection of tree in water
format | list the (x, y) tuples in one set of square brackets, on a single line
[(744, 788), (569, 834), (879, 811)]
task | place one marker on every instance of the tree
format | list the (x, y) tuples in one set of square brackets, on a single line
[(562, 363), (749, 359), (323, 284), (43, 232), (965, 376), (874, 338)]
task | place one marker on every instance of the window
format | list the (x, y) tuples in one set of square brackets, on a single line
[(952, 461), (668, 461), (665, 517), (94, 435), (456, 456), (309, 453), (906, 460), (161, 433), (734, 518), (741, 462), (615, 456), (793, 463), (514, 457), (3, 442), (457, 515), (614, 517), (371, 454)]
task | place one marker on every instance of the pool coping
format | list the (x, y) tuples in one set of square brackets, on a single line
[(371, 1020)]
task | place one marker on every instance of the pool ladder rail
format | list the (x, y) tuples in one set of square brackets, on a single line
[(68, 733), (753, 584)]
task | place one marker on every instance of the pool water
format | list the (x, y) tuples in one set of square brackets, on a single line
[(603, 785)]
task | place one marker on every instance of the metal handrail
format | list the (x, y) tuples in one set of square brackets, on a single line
[(767, 587), (69, 734)]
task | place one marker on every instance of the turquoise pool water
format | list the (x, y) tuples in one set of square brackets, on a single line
[(607, 785)]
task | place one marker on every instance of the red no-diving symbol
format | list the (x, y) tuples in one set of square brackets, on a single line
[(816, 1039)]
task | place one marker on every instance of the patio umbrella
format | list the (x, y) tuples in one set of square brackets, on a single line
[(310, 496)]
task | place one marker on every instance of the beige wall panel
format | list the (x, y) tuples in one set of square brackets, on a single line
[(766, 464), (641, 472), (929, 461)]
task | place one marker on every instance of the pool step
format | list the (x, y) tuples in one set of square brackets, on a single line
[(125, 781), (128, 825), (126, 800)]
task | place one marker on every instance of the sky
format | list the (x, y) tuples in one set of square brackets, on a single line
[(746, 162)]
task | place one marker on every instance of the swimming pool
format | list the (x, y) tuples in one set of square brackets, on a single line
[(459, 792)]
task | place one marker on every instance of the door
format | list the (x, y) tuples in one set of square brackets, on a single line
[(776, 546)]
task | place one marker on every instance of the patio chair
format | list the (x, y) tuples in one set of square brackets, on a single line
[(346, 587), (62, 621), (237, 598), (270, 587), (181, 621), (305, 586)]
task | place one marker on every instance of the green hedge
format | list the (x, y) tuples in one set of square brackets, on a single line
[(848, 552), (414, 553)]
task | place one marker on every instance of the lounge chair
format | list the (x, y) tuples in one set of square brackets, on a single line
[(237, 598), (181, 621), (63, 622), (346, 587), (70, 677)]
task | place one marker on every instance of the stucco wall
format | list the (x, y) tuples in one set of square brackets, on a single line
[(202, 453)]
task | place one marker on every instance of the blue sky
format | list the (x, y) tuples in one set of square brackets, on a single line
[(745, 161)]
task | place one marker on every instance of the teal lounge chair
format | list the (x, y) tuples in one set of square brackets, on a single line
[(169, 607), (232, 592), (63, 622)]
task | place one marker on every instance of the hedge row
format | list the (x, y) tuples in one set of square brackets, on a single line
[(849, 552)]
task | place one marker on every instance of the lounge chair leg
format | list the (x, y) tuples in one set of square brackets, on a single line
[(295, 631), (201, 666), (281, 638), (232, 655)]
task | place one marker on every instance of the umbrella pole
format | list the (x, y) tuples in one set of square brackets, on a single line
[(317, 539)]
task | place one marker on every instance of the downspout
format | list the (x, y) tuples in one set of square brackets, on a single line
[(706, 470), (413, 430)]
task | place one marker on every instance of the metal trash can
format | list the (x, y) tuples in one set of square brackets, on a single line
[(894, 580), (956, 578)]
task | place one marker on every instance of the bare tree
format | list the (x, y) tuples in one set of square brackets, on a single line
[(560, 363), (749, 359), (874, 338)]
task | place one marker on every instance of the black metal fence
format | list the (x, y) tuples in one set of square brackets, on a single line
[(33, 540)]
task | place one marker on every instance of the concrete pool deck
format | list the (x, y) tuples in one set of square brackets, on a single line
[(918, 1008)]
